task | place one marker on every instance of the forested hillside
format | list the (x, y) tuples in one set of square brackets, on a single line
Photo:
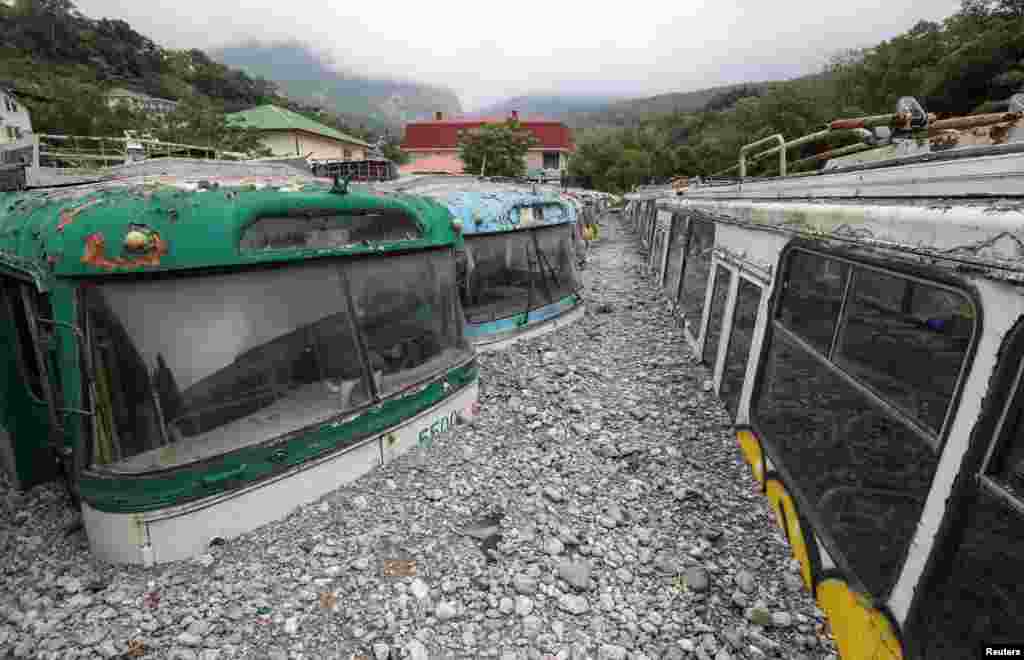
[(68, 62), (302, 73), (973, 57)]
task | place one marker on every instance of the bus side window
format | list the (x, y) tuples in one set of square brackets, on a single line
[(14, 305), (980, 598)]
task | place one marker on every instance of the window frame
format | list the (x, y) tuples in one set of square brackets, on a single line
[(734, 296), (345, 294), (936, 438), (805, 506), (23, 306)]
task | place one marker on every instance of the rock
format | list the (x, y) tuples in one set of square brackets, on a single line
[(189, 639), (506, 605), (419, 589), (381, 651), (573, 604), (746, 582), (524, 584), (611, 652), (576, 574), (291, 625), (782, 619), (416, 650), (624, 575), (554, 547), (697, 578), (524, 605), (554, 494), (759, 615), (532, 625), (446, 611)]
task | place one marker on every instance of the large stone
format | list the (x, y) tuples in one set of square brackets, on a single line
[(576, 574)]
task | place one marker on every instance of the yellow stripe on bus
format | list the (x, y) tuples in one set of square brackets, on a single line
[(861, 632), (790, 524), (752, 452)]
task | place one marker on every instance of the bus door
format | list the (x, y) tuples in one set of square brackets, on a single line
[(27, 407)]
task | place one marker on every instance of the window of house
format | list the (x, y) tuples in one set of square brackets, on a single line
[(347, 154), (551, 160)]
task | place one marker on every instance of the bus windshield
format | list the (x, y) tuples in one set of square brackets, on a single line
[(187, 368), (518, 271)]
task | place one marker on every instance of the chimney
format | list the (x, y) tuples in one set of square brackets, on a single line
[(438, 116), (515, 115)]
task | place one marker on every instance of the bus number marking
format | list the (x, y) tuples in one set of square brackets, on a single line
[(437, 427)]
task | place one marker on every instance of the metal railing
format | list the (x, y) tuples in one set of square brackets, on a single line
[(96, 152), (910, 121)]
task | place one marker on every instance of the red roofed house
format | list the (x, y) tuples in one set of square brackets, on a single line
[(434, 145)]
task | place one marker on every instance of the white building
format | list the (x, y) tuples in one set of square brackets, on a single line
[(15, 123), (141, 101)]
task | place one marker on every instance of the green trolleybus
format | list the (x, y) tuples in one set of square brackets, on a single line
[(204, 353)]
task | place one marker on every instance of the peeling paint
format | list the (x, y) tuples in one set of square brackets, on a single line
[(67, 216), (95, 253)]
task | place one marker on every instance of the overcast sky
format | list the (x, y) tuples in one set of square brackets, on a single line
[(486, 51)]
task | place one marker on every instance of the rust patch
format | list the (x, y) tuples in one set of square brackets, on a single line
[(67, 216), (95, 253)]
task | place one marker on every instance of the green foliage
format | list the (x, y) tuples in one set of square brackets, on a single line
[(973, 57), (496, 149), (50, 50), (395, 155)]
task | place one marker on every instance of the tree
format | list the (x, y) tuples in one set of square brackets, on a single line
[(496, 149), (395, 155)]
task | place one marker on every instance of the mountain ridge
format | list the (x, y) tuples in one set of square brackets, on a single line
[(303, 73)]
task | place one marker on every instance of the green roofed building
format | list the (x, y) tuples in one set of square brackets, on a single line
[(288, 133)]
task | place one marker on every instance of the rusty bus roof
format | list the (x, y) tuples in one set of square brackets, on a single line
[(193, 215)]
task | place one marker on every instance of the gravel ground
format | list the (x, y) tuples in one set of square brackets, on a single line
[(598, 508)]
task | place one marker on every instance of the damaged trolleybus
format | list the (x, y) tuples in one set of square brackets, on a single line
[(864, 326), (521, 249), (205, 355)]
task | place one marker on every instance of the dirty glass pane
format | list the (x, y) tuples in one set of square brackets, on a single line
[(718, 300), (812, 294), (865, 474), (979, 599), (14, 305), (409, 314), (748, 298), (220, 362), (515, 271), (500, 276), (556, 262), (677, 244), (1007, 466), (907, 341), (318, 229), (696, 270)]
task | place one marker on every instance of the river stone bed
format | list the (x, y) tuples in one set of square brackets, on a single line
[(599, 507)]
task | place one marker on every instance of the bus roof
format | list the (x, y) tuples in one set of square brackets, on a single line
[(982, 236), (487, 206), (159, 222)]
